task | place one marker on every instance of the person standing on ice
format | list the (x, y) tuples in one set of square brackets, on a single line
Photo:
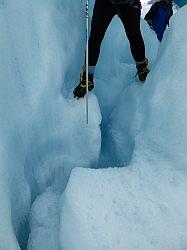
[(129, 11), (158, 17)]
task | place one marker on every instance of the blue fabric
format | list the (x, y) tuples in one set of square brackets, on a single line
[(160, 21)]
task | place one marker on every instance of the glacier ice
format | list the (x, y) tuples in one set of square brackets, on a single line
[(44, 135)]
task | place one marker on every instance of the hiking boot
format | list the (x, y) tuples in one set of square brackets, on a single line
[(80, 90), (142, 70)]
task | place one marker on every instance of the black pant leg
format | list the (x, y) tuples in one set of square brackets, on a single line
[(130, 16), (102, 15)]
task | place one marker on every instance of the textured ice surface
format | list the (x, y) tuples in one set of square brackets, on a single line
[(43, 130), (141, 207)]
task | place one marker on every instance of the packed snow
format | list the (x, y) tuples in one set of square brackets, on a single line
[(127, 168)]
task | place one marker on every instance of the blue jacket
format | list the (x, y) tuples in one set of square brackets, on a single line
[(158, 17)]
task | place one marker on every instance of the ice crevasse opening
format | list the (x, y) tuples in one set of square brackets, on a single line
[(44, 135)]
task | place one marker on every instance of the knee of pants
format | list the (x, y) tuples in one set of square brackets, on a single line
[(134, 36)]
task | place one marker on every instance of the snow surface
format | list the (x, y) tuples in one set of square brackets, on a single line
[(44, 135)]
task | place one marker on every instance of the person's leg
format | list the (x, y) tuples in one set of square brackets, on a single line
[(130, 17), (102, 15)]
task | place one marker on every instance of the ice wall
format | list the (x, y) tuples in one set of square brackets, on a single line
[(163, 107), (43, 130)]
